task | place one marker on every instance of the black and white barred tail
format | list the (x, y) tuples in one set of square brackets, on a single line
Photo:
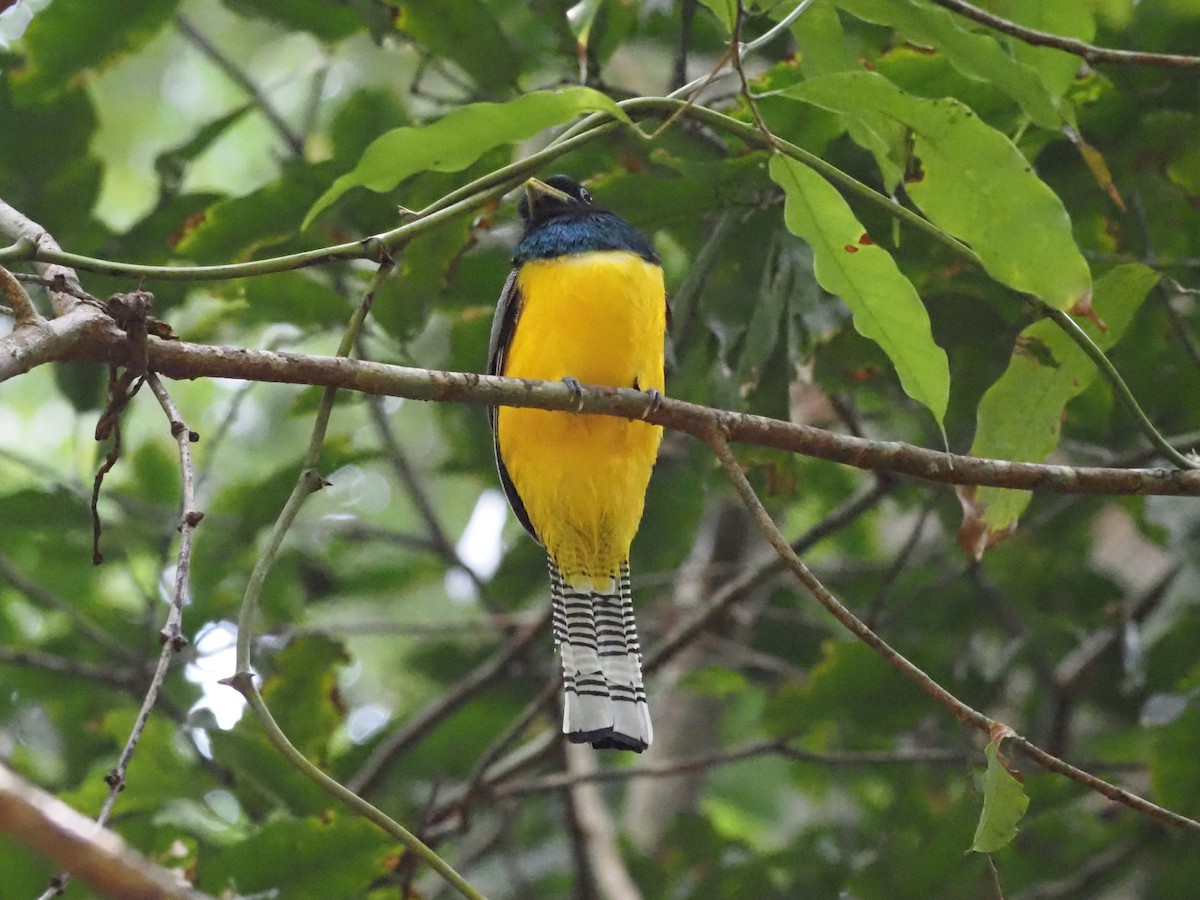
[(605, 702)]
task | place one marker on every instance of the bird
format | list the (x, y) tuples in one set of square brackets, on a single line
[(585, 303)]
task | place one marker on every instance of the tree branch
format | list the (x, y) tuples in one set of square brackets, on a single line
[(101, 859), (23, 310), (1090, 53), (961, 711), (241, 79), (182, 360), (418, 726), (31, 239)]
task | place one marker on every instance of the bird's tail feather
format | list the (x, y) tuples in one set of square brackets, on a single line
[(602, 662)]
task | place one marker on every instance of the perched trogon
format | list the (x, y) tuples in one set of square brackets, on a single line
[(584, 303)]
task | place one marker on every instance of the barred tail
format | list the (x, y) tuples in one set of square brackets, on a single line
[(602, 671)]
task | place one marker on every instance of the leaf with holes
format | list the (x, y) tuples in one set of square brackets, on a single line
[(973, 182), (1020, 416), (884, 303)]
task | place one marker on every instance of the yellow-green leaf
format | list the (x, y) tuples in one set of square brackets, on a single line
[(884, 303), (975, 54), (1020, 416), (725, 10), (1004, 804), (455, 141), (973, 182)]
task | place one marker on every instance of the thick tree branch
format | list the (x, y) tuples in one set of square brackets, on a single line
[(98, 857), (22, 307), (32, 239), (181, 360), (673, 767), (1090, 53), (87, 333)]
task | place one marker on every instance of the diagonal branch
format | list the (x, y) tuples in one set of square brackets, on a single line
[(182, 360), (1089, 53), (236, 74), (961, 711), (101, 859)]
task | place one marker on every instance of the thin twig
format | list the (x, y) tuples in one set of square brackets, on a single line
[(753, 750), (23, 309), (308, 482), (244, 683), (414, 729), (178, 359), (1090, 53), (395, 455), (123, 678), (80, 622), (75, 292), (1064, 321), (736, 61), (172, 640), (1163, 289), (190, 516), (236, 74), (961, 711)]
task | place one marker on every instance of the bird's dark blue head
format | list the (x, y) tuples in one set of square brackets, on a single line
[(561, 218)]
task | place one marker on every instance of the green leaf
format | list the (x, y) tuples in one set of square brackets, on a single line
[(323, 20), (972, 181), (726, 12), (466, 32), (234, 229), (1004, 804), (302, 693), (1057, 68), (72, 39), (455, 141), (302, 299), (884, 303), (976, 55), (326, 858), (1020, 416), (1173, 770)]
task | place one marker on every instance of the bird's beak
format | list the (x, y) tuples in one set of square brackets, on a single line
[(536, 190)]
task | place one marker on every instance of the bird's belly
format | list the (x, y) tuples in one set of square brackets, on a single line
[(600, 318)]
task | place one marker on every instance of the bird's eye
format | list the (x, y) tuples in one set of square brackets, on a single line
[(584, 195)]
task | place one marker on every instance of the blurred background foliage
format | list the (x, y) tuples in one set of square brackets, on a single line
[(201, 131)]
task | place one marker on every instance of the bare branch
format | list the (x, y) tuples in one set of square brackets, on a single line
[(753, 750), (47, 598), (23, 309), (239, 77), (961, 711), (101, 859), (597, 831), (1090, 53), (177, 359), (33, 238), (124, 679), (413, 730), (190, 516)]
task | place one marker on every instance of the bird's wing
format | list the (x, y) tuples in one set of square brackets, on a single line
[(503, 325)]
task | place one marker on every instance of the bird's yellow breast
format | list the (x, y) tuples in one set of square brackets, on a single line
[(600, 318)]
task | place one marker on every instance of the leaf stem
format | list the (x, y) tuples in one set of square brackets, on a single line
[(1064, 321)]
